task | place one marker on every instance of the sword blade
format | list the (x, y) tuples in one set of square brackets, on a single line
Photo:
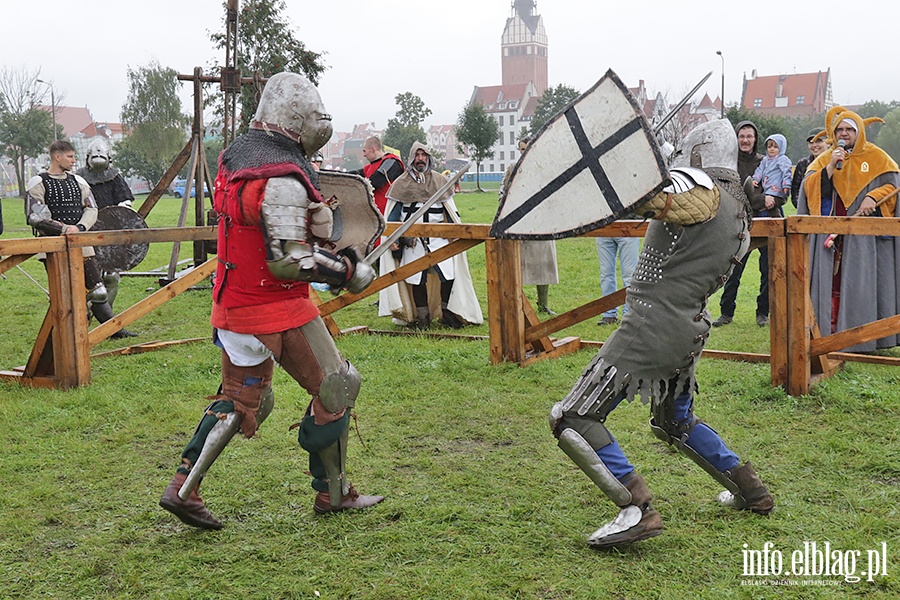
[(377, 252), (681, 104)]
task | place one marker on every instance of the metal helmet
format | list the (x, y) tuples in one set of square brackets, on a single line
[(98, 155), (290, 102), (710, 144)]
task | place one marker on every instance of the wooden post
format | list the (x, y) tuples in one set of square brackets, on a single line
[(506, 319), (799, 315), (778, 310)]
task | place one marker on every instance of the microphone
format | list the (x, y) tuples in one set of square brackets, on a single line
[(840, 163)]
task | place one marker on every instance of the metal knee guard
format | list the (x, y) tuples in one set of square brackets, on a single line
[(334, 459), (664, 427), (219, 436), (341, 381)]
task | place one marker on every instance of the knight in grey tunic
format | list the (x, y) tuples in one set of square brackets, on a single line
[(700, 233)]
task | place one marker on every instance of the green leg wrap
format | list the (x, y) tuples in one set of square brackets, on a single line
[(315, 438)]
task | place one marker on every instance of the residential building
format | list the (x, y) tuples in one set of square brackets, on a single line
[(799, 94)]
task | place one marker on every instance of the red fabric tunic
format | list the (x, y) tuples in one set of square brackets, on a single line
[(247, 298), (380, 191)]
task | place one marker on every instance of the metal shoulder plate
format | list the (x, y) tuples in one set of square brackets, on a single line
[(284, 210), (687, 178)]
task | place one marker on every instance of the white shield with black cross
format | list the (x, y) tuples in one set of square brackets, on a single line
[(594, 162)]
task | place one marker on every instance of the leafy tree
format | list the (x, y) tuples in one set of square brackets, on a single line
[(25, 129), (552, 101), (476, 132), (406, 126), (268, 45), (889, 137), (876, 108), (152, 116)]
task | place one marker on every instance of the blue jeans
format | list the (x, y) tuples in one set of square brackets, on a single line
[(628, 249)]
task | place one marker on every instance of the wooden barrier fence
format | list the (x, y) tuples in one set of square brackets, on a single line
[(61, 355)]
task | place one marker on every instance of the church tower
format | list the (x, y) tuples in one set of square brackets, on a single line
[(523, 47)]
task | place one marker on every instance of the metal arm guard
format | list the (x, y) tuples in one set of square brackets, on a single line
[(303, 262), (219, 436), (291, 224), (40, 218)]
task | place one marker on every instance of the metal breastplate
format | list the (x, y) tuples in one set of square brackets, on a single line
[(63, 198)]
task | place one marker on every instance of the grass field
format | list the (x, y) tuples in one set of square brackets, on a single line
[(480, 503)]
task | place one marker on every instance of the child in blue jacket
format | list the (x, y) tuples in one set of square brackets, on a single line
[(774, 172)]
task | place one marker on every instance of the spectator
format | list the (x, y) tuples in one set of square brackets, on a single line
[(748, 160), (853, 279), (458, 304), (817, 145), (383, 169), (773, 175), (627, 248)]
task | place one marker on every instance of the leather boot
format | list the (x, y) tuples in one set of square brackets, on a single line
[(103, 312), (191, 511), (637, 521), (756, 497), (423, 318), (353, 499)]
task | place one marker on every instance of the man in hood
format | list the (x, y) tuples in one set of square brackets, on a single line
[(748, 161), (458, 304), (853, 279)]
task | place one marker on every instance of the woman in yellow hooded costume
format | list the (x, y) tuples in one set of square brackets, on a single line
[(855, 280)]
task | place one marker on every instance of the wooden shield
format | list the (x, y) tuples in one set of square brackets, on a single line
[(594, 162)]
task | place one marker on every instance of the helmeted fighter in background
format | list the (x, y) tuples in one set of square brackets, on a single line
[(109, 189), (700, 230), (273, 224)]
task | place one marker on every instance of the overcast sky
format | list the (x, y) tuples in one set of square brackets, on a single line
[(440, 50)]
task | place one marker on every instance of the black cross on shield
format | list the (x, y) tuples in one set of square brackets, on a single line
[(593, 163)]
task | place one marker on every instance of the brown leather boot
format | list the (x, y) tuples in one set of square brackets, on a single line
[(637, 521), (191, 511), (353, 499), (756, 496)]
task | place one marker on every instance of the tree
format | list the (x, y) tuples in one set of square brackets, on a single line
[(267, 45), (25, 129), (406, 126), (889, 136), (552, 101), (154, 121), (876, 108), (476, 132)]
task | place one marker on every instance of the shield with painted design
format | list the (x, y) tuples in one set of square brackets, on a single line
[(593, 163), (358, 223)]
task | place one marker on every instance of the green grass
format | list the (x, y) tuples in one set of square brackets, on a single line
[(480, 503)]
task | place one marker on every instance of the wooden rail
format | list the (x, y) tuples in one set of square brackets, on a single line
[(798, 354)]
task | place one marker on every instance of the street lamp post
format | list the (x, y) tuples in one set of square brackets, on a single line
[(52, 106), (722, 56)]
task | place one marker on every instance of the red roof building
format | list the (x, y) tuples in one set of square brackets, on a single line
[(799, 94)]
